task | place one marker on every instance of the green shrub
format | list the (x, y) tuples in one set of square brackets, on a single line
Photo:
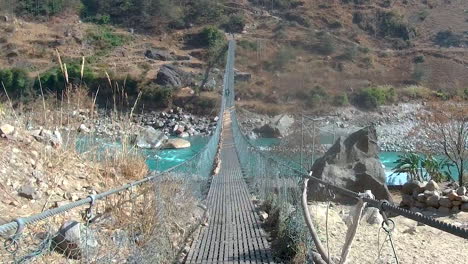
[(326, 44), (204, 11), (211, 36), (105, 39), (248, 45), (235, 24), (418, 73), (16, 81), (419, 59), (54, 79), (449, 39), (46, 7), (392, 25), (373, 97), (340, 100), (157, 95)]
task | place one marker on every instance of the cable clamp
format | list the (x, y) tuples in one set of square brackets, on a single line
[(89, 210), (11, 245)]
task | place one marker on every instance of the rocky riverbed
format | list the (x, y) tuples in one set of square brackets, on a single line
[(397, 125)]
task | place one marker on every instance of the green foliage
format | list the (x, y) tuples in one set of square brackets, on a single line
[(392, 25), (235, 24), (157, 94), (46, 7), (204, 11), (105, 39), (449, 39), (409, 163), (340, 100), (326, 44), (16, 81), (421, 168), (423, 14), (54, 79), (248, 45), (373, 97), (465, 93), (211, 37), (419, 59)]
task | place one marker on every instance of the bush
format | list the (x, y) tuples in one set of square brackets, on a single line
[(448, 39), (54, 79), (248, 45), (105, 39), (419, 59), (211, 36), (16, 81), (46, 7), (157, 94), (392, 25), (326, 44), (340, 100), (235, 24), (373, 97), (204, 11)]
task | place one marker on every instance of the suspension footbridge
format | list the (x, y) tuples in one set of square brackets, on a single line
[(152, 219)]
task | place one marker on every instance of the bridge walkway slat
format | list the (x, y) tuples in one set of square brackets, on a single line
[(233, 233)]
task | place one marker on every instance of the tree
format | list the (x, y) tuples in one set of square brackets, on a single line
[(446, 127)]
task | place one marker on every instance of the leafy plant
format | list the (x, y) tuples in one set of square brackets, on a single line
[(449, 39), (105, 39), (409, 163), (326, 44), (211, 36), (371, 98), (235, 24), (16, 80)]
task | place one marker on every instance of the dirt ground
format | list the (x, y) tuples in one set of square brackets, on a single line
[(413, 243)]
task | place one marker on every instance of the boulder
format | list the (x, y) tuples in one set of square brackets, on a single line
[(176, 143), (149, 138), (432, 186), (461, 191), (172, 76), (157, 54), (353, 163), (29, 192), (453, 196), (6, 130), (83, 129), (411, 186), (278, 127), (433, 201), (73, 239), (445, 202), (48, 137), (464, 207)]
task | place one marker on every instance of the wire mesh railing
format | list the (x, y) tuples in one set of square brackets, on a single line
[(147, 221)]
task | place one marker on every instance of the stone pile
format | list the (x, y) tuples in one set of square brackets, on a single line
[(177, 123), (429, 196)]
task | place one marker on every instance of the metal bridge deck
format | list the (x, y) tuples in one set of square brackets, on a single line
[(233, 233)]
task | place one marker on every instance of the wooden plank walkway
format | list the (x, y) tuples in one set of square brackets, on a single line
[(233, 234)]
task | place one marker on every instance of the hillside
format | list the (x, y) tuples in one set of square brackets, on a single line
[(301, 54)]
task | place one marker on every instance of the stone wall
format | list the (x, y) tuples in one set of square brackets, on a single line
[(429, 196)]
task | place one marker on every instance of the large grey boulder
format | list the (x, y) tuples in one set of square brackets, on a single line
[(170, 75), (149, 138), (73, 239), (352, 163), (278, 127)]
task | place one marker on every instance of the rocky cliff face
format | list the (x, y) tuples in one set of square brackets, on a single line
[(353, 163)]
